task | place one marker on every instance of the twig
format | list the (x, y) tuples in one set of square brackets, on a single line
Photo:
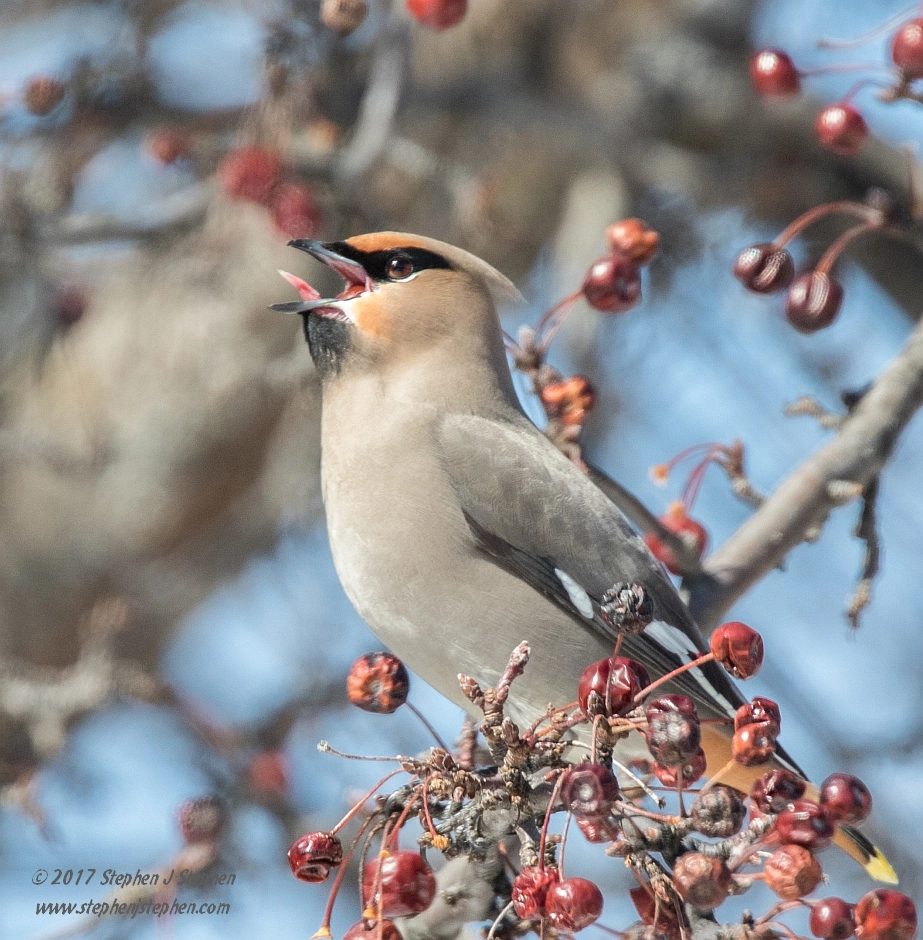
[(867, 530)]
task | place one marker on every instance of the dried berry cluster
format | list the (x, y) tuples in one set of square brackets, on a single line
[(686, 863)]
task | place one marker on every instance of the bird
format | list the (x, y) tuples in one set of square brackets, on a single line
[(457, 528)]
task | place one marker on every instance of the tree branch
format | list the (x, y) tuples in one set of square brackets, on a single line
[(802, 503)]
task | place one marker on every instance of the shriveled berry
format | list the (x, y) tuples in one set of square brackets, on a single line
[(250, 173), (806, 823), (846, 798), (43, 94), (738, 648), (773, 792), (408, 885), (701, 881), (832, 919), (628, 608), (907, 48), (754, 745), (313, 855), (368, 930), (764, 268), (294, 211), (569, 400), (633, 238), (718, 812), (609, 687), (168, 144), (613, 284), (589, 789), (343, 16), (378, 682), (437, 14), (885, 915), (693, 533), (673, 732), (792, 872), (774, 74), (759, 711), (202, 819), (667, 923), (813, 301), (530, 888), (595, 830), (573, 903), (692, 770), (841, 129)]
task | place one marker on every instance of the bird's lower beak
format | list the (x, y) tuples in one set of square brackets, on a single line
[(357, 282)]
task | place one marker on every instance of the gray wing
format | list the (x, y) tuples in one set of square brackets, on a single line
[(531, 511)]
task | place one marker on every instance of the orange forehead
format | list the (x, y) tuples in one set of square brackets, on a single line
[(382, 241)]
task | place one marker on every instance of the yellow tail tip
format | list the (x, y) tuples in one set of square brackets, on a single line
[(880, 869)]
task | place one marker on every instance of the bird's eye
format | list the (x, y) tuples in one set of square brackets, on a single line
[(399, 267)]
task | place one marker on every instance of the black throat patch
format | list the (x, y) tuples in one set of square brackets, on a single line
[(329, 342)]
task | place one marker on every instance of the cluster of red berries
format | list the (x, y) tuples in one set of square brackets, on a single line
[(614, 697), (814, 297), (840, 127), (613, 283), (256, 174)]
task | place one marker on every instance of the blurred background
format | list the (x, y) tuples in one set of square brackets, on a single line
[(170, 622)]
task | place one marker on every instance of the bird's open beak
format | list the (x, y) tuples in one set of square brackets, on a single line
[(357, 282)]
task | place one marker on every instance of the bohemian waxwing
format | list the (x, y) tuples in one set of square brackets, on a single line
[(458, 529)]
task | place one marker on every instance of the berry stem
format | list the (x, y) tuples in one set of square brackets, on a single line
[(847, 207), (840, 68), (392, 842), (493, 927), (712, 781), (692, 664), (324, 929), (864, 83), (428, 726), (829, 257), (548, 812), (780, 908), (554, 319), (358, 806), (567, 820), (870, 35)]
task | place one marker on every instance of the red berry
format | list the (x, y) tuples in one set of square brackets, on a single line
[(613, 284), (168, 144), (907, 49), (294, 211), (761, 711), (437, 14), (841, 129), (691, 532), (792, 872), (573, 904), (378, 682), (648, 909), (813, 301), (43, 94), (609, 687), (774, 74), (313, 855), (738, 648), (885, 915), (692, 770), (807, 824), (764, 268), (589, 789), (250, 173), (832, 919), (530, 888), (268, 773), (754, 745), (773, 792), (368, 930), (846, 798), (202, 819), (633, 238), (701, 881), (408, 885), (569, 400)]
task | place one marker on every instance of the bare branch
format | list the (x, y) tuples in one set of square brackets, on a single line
[(867, 530), (864, 443)]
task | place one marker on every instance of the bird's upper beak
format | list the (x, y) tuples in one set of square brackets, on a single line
[(357, 282)]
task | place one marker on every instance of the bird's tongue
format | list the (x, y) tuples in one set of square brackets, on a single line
[(350, 291), (305, 291)]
